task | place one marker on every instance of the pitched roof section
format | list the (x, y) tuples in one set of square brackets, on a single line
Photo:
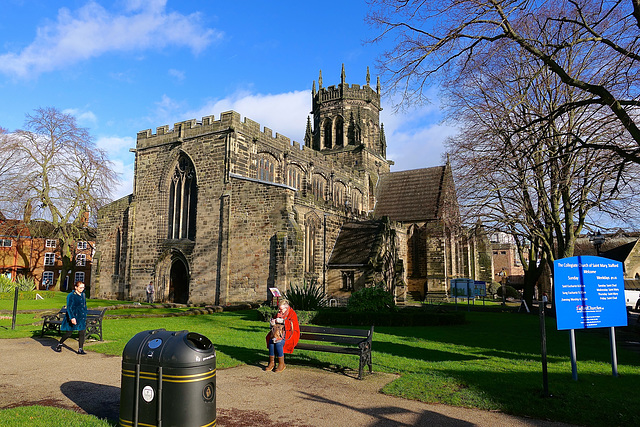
[(412, 195), (356, 243)]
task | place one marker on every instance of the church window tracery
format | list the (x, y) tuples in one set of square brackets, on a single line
[(318, 186), (312, 234), (183, 201), (266, 168), (294, 177), (328, 134)]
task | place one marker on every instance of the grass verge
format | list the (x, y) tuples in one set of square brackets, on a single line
[(492, 362)]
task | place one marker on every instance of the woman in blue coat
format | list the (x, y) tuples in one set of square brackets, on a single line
[(76, 318)]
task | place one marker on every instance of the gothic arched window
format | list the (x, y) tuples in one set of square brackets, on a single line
[(311, 236), (183, 195), (318, 185), (328, 134), (339, 131), (266, 168), (294, 177)]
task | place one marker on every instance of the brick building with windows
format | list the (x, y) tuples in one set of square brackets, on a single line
[(222, 210), (32, 249)]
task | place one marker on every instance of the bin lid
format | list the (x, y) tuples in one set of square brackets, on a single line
[(164, 348)]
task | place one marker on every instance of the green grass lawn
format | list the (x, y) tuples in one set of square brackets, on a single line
[(492, 362)]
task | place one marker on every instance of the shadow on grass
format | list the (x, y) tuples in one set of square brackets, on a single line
[(100, 400), (589, 401), (415, 352), (259, 358), (246, 355)]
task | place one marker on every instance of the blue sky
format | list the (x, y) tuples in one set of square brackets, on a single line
[(124, 66)]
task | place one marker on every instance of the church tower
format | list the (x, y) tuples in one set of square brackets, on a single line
[(346, 118)]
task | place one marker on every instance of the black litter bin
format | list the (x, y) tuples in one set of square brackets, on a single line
[(168, 379)]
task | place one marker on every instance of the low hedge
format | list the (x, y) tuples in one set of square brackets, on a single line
[(26, 294), (402, 317)]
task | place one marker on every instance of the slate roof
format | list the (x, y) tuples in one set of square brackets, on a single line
[(356, 244), (621, 253), (412, 195)]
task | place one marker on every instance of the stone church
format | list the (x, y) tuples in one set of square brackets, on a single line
[(222, 210)]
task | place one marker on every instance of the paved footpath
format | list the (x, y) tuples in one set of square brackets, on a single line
[(32, 373)]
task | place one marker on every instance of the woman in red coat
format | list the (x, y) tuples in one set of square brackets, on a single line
[(289, 318)]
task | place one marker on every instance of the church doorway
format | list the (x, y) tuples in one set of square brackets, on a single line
[(179, 282)]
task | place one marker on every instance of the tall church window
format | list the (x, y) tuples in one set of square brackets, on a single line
[(311, 236), (339, 194), (294, 177), (266, 169), (183, 194), (317, 186), (116, 267), (328, 134), (356, 200), (339, 131)]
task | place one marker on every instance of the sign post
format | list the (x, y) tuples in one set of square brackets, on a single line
[(589, 293)]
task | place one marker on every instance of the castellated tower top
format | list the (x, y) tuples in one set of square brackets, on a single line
[(347, 116)]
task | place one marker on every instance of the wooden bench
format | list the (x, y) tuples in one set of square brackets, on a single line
[(52, 322), (352, 341)]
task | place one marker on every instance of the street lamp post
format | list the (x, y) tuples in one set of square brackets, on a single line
[(503, 275), (597, 240)]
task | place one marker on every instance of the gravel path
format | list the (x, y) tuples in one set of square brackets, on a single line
[(32, 373)]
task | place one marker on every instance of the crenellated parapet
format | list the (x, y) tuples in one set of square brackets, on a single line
[(229, 121)]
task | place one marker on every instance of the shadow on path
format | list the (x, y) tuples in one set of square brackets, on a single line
[(384, 414), (100, 400)]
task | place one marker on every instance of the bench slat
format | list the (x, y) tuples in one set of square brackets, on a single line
[(53, 322), (338, 339), (360, 339), (336, 331), (328, 348)]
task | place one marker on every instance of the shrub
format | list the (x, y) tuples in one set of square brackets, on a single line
[(371, 300), (266, 313), (510, 292), (23, 284), (307, 297)]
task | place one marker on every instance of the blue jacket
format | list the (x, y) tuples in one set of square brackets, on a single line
[(76, 308)]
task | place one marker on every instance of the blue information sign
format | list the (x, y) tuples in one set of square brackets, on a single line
[(461, 287), (479, 288), (589, 293), (468, 288)]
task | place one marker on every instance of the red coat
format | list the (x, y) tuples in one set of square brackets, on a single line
[(292, 330)]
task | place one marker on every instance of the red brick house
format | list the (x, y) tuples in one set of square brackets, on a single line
[(33, 250)]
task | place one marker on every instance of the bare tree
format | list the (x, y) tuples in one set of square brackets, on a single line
[(7, 155), (442, 39), (524, 171), (59, 177)]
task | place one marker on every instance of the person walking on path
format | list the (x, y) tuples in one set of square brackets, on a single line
[(289, 318), (150, 292), (76, 317)]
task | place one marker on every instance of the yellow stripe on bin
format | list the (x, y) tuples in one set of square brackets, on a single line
[(171, 378)]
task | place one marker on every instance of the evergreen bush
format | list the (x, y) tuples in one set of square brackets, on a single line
[(308, 297), (23, 284), (371, 300), (509, 291)]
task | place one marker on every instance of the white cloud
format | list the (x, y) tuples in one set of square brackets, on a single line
[(125, 186), (122, 159), (179, 75), (284, 113), (84, 118), (116, 144), (415, 138), (92, 31)]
